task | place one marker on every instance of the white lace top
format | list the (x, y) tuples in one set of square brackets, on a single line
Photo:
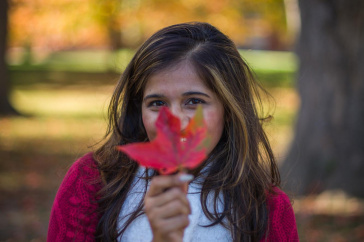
[(139, 229)]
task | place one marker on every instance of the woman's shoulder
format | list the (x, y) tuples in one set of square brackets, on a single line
[(276, 198), (82, 180), (74, 212), (82, 177), (282, 222), (278, 203), (84, 168), (86, 164)]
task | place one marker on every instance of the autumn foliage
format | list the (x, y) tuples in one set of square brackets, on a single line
[(65, 24)]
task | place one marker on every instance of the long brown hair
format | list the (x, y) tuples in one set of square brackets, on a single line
[(242, 167)]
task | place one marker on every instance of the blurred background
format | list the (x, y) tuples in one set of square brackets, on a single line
[(60, 60)]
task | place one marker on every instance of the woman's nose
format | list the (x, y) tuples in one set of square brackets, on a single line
[(184, 122), (183, 117)]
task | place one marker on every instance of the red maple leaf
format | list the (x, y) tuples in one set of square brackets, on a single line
[(172, 149)]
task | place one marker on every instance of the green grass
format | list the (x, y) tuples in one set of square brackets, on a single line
[(72, 103), (95, 61), (272, 68), (274, 61)]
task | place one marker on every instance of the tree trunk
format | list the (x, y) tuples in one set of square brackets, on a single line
[(327, 152), (5, 107)]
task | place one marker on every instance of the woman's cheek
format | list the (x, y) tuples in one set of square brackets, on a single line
[(214, 120), (149, 124)]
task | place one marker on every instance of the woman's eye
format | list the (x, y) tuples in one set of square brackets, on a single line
[(194, 101), (156, 103)]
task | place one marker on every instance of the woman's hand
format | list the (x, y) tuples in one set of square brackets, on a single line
[(167, 207)]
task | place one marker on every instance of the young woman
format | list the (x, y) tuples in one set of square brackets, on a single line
[(234, 195)]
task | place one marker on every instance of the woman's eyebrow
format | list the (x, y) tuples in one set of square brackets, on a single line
[(153, 96), (195, 93)]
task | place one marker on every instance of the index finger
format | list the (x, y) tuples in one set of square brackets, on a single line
[(161, 183)]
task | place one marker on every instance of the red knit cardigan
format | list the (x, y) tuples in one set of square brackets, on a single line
[(74, 214)]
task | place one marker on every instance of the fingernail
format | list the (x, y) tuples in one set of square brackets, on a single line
[(186, 177)]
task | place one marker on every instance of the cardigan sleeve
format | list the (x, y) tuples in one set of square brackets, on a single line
[(282, 223), (74, 215)]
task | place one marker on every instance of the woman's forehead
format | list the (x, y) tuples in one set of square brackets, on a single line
[(179, 77)]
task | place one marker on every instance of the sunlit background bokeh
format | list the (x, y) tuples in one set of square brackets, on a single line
[(64, 58)]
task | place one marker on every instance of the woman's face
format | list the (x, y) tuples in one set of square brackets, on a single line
[(181, 90)]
